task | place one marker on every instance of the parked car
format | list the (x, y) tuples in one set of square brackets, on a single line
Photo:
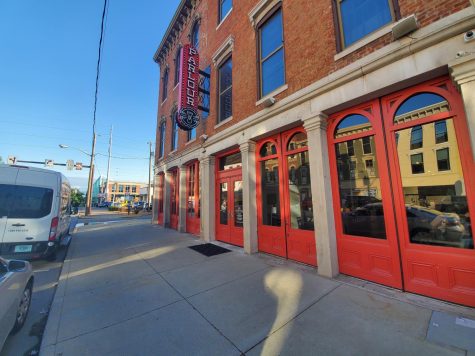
[(425, 225), (16, 286), (104, 204), (35, 212)]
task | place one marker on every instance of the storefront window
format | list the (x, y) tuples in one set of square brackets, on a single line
[(436, 204), (191, 191), (270, 192)]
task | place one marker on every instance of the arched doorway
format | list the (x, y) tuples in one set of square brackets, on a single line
[(425, 190), (284, 197)]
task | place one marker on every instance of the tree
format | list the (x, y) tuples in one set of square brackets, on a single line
[(77, 198), (1, 160)]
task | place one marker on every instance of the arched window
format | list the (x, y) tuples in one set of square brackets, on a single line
[(177, 66), (298, 140), (195, 35), (174, 131), (165, 85), (352, 124), (268, 149), (419, 106)]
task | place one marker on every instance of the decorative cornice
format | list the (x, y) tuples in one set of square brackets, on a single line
[(174, 28), (223, 51), (260, 10)]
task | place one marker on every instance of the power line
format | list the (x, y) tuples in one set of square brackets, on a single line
[(98, 66)]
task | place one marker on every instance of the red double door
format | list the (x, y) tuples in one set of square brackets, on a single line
[(284, 197), (403, 192), (229, 205)]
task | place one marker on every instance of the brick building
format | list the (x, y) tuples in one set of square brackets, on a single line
[(340, 134)]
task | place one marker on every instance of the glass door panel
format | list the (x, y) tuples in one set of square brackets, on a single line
[(238, 204), (223, 203), (300, 192), (434, 189), (270, 192), (359, 184)]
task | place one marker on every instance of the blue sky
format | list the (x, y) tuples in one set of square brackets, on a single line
[(48, 62)]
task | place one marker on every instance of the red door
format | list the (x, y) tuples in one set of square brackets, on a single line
[(161, 179), (364, 220), (174, 198), (406, 223), (229, 199), (434, 189), (284, 197), (193, 198)]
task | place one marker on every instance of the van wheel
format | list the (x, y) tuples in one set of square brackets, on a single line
[(23, 308)]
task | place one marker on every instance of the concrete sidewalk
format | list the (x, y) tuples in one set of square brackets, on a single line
[(137, 289)]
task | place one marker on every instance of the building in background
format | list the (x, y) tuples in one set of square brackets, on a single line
[(121, 191), (338, 129)]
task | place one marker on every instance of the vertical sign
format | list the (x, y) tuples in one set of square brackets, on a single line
[(188, 118)]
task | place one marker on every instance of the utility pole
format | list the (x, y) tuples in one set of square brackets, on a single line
[(91, 176), (149, 195), (109, 163)]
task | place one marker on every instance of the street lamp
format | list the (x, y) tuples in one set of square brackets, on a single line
[(91, 172)]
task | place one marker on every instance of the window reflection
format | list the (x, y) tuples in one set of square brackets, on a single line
[(298, 140), (419, 106), (360, 191), (238, 205), (352, 124), (268, 149), (270, 192), (191, 191), (436, 204), (300, 192)]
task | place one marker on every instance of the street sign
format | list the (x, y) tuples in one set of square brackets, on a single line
[(69, 164), (49, 163), (11, 160), (78, 166)]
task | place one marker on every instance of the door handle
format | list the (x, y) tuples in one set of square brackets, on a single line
[(18, 225)]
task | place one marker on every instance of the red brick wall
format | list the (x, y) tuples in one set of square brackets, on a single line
[(310, 46)]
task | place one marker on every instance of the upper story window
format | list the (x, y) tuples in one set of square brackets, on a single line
[(121, 188), (195, 35), (161, 147), (225, 90), (165, 85), (134, 189), (271, 54), (225, 6), (127, 188), (359, 18), (441, 132), (416, 137), (174, 131), (177, 66)]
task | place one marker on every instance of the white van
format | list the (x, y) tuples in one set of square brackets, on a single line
[(35, 209)]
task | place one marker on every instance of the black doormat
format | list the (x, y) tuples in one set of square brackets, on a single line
[(209, 249)]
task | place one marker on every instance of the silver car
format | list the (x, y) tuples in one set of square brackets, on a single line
[(16, 286)]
